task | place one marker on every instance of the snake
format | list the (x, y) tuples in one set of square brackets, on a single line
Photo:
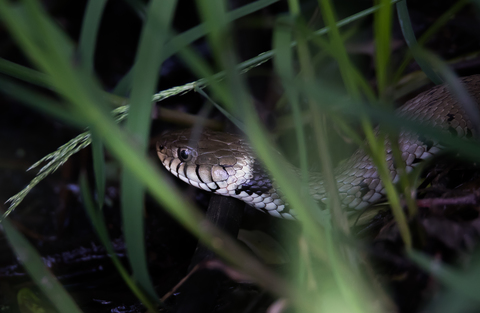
[(226, 164)]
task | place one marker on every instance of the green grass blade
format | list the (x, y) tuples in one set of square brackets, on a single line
[(320, 90), (409, 35), (214, 18), (347, 72), (41, 276), (227, 114), (375, 143), (146, 70), (24, 73), (434, 28), (88, 34), (339, 48), (40, 102), (174, 203), (244, 66), (186, 38), (121, 147), (458, 91), (383, 31), (464, 284), (282, 62), (99, 225)]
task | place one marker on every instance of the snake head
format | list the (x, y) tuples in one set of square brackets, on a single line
[(213, 161), (221, 163)]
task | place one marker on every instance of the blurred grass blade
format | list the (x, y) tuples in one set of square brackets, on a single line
[(453, 83), (99, 225), (182, 40), (41, 276), (383, 31), (465, 284), (324, 46), (383, 36), (138, 6), (214, 18), (341, 257), (24, 73), (58, 157), (227, 114), (145, 73), (375, 143), (283, 63), (85, 101), (464, 98), (188, 37), (451, 301), (40, 102), (469, 149), (434, 28), (63, 153), (409, 35), (347, 71), (88, 34), (339, 49)]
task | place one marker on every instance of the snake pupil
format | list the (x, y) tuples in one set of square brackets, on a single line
[(184, 154)]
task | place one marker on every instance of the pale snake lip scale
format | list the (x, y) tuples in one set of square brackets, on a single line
[(225, 163)]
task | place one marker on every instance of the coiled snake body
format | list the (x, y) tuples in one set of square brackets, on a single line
[(225, 163)]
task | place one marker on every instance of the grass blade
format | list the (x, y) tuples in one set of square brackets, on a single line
[(188, 37), (284, 67), (146, 69), (88, 34), (40, 102), (122, 148), (39, 273), (102, 232), (464, 284), (24, 73), (383, 31), (434, 28), (409, 35)]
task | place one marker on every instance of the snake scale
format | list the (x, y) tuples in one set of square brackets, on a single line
[(226, 164)]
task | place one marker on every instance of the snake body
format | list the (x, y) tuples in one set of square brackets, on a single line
[(226, 164)]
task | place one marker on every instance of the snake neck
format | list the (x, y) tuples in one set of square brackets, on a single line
[(225, 163), (356, 180)]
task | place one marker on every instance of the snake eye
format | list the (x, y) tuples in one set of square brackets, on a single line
[(184, 154)]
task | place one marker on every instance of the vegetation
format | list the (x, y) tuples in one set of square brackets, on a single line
[(330, 275)]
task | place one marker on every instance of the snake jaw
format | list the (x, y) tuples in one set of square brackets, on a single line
[(223, 164), (203, 169)]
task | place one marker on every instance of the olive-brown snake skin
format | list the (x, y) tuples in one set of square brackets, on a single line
[(225, 164)]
